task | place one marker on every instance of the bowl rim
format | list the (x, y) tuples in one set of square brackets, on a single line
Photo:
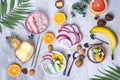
[(61, 70), (99, 47), (39, 12)]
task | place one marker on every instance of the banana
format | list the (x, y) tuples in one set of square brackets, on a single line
[(110, 35)]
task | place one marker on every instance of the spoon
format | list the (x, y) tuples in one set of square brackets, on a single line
[(75, 55), (92, 36), (88, 45), (68, 56)]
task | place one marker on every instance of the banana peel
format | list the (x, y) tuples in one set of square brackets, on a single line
[(109, 34)]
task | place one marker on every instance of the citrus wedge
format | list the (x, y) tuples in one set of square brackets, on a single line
[(59, 18), (14, 70), (48, 38)]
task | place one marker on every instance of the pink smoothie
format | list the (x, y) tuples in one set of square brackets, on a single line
[(36, 22)]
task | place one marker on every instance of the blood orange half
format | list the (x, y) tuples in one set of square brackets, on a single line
[(98, 6)]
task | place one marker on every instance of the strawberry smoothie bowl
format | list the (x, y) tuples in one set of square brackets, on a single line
[(36, 22)]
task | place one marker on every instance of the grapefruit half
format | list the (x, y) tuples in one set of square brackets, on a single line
[(98, 6)]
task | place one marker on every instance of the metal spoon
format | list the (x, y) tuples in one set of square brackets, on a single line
[(92, 36), (75, 55), (88, 45), (68, 56)]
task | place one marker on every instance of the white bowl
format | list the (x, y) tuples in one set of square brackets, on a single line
[(58, 73)]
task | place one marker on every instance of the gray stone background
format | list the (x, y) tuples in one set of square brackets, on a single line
[(88, 69)]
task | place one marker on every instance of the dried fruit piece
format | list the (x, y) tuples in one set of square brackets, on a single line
[(48, 38), (82, 51), (14, 70), (109, 17), (78, 63), (24, 70), (32, 71), (50, 47), (79, 47), (101, 22)]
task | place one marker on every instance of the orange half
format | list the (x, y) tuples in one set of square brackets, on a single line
[(48, 38), (14, 70), (59, 18)]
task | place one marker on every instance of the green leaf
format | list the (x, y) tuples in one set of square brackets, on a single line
[(73, 14), (0, 28), (0, 10), (87, 1), (22, 12), (108, 75), (80, 12), (25, 5), (12, 3), (3, 7), (76, 6), (113, 74), (117, 67), (102, 78), (115, 70), (9, 22), (19, 2), (7, 25), (15, 14)]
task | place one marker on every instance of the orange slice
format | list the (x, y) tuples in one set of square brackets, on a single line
[(14, 70), (59, 18), (48, 38)]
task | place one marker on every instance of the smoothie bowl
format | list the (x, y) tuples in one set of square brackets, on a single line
[(53, 63), (36, 22)]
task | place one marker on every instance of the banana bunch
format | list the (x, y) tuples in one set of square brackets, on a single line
[(109, 34)]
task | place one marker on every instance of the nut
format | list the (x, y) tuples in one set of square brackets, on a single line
[(109, 17), (50, 47), (101, 22), (79, 47), (32, 71), (24, 70), (78, 63), (81, 57), (82, 51)]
